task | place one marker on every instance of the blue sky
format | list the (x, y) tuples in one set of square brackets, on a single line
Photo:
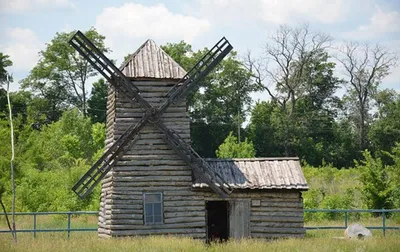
[(27, 25)]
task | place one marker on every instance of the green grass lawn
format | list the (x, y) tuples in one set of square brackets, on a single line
[(316, 240), (90, 242)]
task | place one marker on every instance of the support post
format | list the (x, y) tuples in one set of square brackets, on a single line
[(69, 224), (346, 219), (34, 225), (383, 223)]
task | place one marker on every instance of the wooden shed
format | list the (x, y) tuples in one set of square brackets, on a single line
[(151, 190)]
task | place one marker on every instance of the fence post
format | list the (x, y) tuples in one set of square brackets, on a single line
[(34, 225), (383, 223), (346, 219), (69, 224)]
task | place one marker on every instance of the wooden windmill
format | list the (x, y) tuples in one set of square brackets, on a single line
[(151, 114), (153, 182)]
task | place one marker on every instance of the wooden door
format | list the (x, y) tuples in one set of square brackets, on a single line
[(239, 219)]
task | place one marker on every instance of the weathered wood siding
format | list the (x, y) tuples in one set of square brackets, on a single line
[(150, 165), (273, 213)]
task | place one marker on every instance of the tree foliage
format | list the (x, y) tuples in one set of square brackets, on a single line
[(97, 102), (4, 63), (61, 74), (365, 67), (377, 185), (231, 148)]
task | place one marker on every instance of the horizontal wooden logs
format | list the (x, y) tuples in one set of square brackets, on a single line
[(153, 179), (164, 226), (199, 232), (114, 221), (281, 204), (153, 171), (291, 214), (277, 209), (184, 208), (185, 214), (124, 211), (151, 184), (185, 219), (183, 203), (153, 168), (177, 162), (124, 216), (136, 157)]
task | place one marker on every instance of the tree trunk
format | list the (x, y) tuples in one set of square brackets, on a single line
[(362, 127), (84, 100)]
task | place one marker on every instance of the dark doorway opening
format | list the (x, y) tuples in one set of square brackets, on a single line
[(217, 220)]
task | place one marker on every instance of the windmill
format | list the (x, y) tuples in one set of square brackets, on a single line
[(151, 115)]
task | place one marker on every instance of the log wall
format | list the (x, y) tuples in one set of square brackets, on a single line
[(151, 166), (148, 166)]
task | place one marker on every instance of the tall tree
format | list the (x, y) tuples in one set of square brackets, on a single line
[(62, 73), (385, 129), (365, 67), (222, 102), (4, 63), (284, 71), (98, 102)]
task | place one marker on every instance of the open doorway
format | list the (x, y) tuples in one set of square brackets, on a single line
[(217, 220)]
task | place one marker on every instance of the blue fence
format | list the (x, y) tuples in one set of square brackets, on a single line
[(68, 229), (346, 212)]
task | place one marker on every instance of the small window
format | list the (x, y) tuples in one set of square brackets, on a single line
[(153, 212)]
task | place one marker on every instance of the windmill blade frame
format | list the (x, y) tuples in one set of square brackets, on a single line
[(152, 115)]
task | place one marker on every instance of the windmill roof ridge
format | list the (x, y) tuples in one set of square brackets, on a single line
[(151, 61)]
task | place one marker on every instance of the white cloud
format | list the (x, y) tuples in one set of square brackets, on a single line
[(27, 5), (274, 11), (23, 47), (380, 23), (133, 23)]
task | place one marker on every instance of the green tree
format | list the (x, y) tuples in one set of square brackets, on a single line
[(377, 186), (385, 130), (231, 148), (223, 101), (98, 102), (365, 67), (61, 74), (4, 63)]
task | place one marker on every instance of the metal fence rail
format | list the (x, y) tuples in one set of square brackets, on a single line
[(346, 212), (68, 229)]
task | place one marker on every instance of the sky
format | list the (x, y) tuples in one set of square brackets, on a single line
[(27, 25)]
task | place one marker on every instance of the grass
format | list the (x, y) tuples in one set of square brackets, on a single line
[(90, 242), (317, 240)]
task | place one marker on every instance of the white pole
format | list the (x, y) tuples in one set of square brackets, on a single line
[(12, 161)]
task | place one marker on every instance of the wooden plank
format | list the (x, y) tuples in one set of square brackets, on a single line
[(239, 224), (186, 219), (184, 214), (155, 228)]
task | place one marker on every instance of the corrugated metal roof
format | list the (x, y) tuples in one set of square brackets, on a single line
[(150, 61), (258, 173)]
